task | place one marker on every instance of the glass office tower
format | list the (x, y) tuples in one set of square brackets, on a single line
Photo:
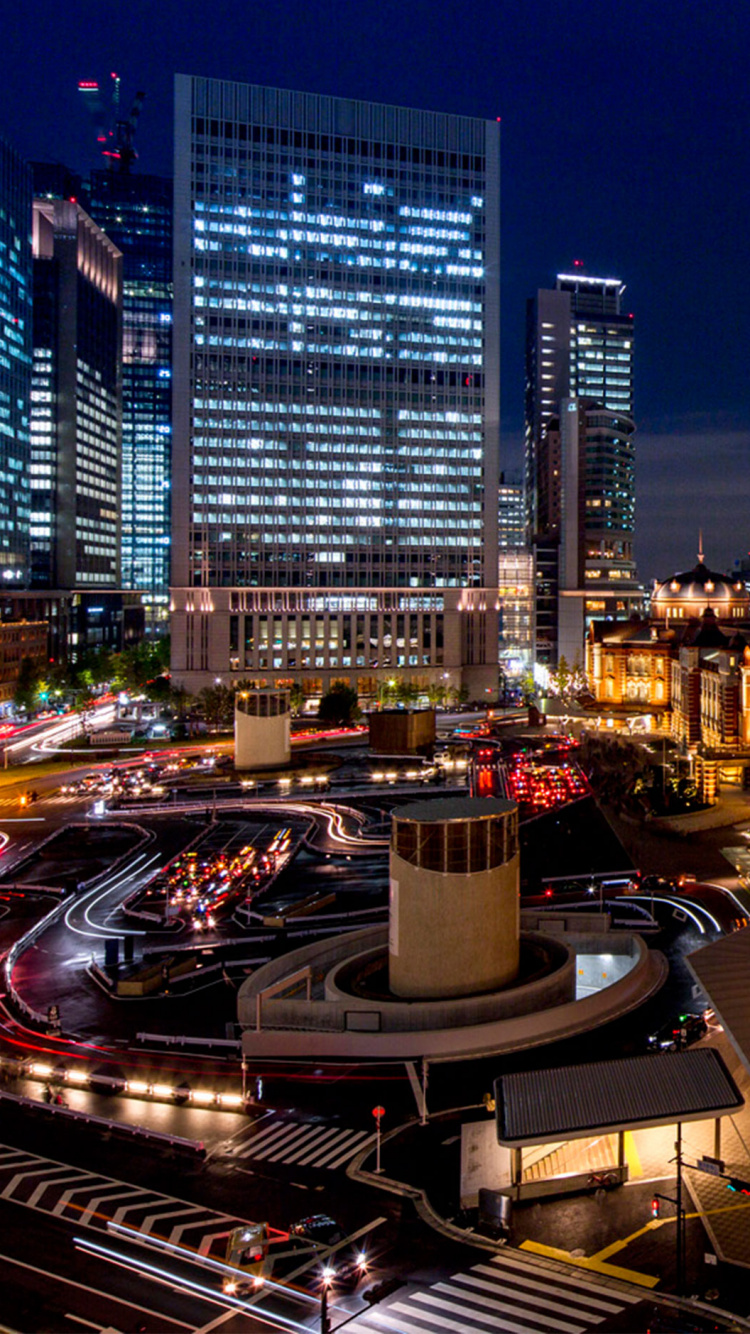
[(580, 464), (336, 390), (75, 419), (136, 213), (15, 365)]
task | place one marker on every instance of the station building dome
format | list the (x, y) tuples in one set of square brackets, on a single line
[(691, 592)]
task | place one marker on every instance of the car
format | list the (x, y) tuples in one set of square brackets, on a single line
[(681, 1032), (345, 1264)]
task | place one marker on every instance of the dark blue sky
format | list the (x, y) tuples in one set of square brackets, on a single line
[(626, 143)]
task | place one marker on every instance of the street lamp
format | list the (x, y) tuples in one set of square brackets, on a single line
[(325, 1321)]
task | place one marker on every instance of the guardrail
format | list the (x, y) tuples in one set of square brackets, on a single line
[(227, 1045), (175, 1142)]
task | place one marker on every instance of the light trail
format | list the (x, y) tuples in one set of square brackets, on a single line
[(88, 901), (198, 1289)]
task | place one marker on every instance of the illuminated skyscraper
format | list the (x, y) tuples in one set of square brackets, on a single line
[(336, 390), (136, 213), (75, 419), (15, 364), (580, 462)]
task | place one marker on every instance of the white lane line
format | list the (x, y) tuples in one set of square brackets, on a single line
[(300, 1138), (95, 1292), (351, 1152), (518, 1308), (37, 1194), (148, 1223), (458, 1326), (264, 1141), (353, 1138), (558, 1281), (536, 1294), (321, 1135)]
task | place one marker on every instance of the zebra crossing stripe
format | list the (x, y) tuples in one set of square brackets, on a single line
[(276, 1152), (273, 1142), (409, 1327), (318, 1137), (148, 1223), (312, 1155), (39, 1190), (15, 1181), (265, 1137), (559, 1281), (177, 1232), (351, 1138), (350, 1152), (518, 1308), (93, 1205), (544, 1303), (209, 1239)]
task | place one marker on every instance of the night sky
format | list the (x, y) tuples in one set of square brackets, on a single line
[(626, 143)]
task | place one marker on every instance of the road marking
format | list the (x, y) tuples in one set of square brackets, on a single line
[(593, 1263), (566, 1280), (95, 1292)]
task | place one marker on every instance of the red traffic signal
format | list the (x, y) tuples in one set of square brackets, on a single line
[(655, 1207)]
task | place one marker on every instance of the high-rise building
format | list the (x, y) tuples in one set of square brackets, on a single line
[(76, 402), (580, 475), (511, 525), (136, 213), (336, 391), (15, 364)]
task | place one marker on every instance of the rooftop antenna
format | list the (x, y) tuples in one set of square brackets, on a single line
[(114, 132)]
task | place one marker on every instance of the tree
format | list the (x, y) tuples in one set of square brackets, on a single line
[(217, 705), (296, 698), (436, 695), (407, 692), (24, 695), (340, 704)]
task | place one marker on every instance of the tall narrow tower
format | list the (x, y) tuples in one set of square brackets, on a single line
[(580, 474)]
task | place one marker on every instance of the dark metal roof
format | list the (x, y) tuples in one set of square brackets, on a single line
[(454, 808), (722, 970), (536, 1106)]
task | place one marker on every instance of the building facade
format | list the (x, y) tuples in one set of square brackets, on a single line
[(336, 390), (580, 460), (15, 365), (688, 666), (76, 400), (136, 213)]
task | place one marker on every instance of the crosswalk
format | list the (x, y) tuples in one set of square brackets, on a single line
[(92, 1201), (510, 1293), (303, 1144)]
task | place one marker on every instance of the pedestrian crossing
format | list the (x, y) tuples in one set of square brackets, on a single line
[(303, 1144), (92, 1201), (510, 1293)]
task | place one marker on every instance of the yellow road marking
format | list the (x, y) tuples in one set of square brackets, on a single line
[(591, 1262)]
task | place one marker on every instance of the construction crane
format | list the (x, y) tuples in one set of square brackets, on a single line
[(114, 133)]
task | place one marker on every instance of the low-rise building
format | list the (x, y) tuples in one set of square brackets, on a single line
[(688, 665)]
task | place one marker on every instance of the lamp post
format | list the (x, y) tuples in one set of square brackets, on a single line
[(325, 1320)]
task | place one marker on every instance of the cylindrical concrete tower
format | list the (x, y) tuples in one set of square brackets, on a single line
[(454, 914), (261, 729)]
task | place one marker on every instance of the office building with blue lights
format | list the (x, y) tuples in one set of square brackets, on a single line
[(76, 401), (336, 391), (580, 460), (15, 364), (135, 211)]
